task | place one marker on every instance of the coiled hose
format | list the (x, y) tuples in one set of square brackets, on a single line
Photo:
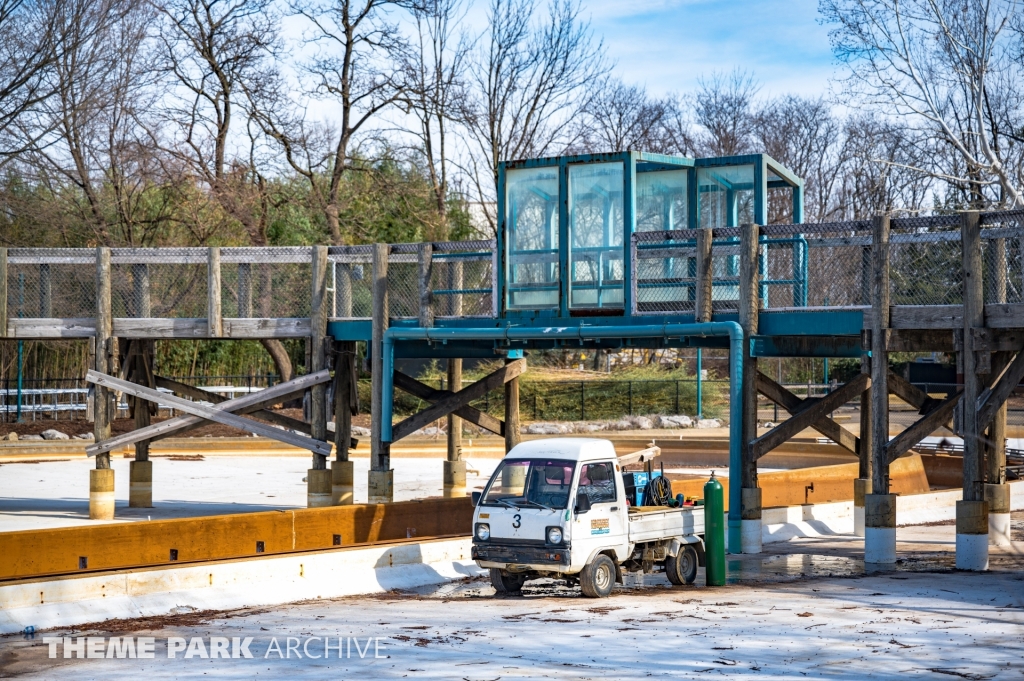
[(658, 492)]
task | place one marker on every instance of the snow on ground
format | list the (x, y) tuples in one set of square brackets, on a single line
[(930, 625), (56, 493)]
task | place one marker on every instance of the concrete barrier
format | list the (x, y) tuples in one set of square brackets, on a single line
[(225, 585), (115, 545)]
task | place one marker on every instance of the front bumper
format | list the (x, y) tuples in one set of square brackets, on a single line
[(513, 554)]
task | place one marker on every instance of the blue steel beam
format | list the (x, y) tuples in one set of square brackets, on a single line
[(585, 333)]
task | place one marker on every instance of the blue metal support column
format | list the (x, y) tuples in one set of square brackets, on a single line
[(588, 333)]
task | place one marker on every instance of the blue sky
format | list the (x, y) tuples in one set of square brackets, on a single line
[(668, 44)]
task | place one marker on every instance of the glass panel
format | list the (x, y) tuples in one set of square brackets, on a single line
[(725, 195), (543, 482), (661, 200), (531, 207), (596, 227)]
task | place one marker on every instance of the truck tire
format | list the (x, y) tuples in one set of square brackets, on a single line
[(682, 567), (598, 578), (505, 583)]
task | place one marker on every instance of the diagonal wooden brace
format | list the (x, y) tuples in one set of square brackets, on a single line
[(794, 405), (936, 418), (809, 416), (993, 398), (449, 404), (471, 414), (266, 415), (219, 413)]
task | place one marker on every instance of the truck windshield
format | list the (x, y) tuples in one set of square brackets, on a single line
[(533, 482)]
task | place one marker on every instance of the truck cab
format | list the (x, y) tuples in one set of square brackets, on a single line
[(558, 508)]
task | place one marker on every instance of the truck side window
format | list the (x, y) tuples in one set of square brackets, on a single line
[(597, 480)]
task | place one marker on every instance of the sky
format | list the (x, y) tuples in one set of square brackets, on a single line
[(667, 45)]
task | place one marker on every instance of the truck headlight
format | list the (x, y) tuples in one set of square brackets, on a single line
[(554, 535), (483, 531)]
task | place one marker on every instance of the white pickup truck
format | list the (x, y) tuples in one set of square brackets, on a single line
[(558, 508)]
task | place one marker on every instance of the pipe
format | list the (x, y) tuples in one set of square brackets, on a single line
[(583, 333)]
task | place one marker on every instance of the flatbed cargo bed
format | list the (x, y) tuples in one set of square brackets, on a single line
[(653, 523)]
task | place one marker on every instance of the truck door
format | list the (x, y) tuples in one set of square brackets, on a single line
[(602, 526)]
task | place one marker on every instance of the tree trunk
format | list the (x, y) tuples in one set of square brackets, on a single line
[(280, 356)]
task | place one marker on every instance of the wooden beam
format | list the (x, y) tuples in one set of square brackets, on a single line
[(442, 407), (318, 349), (513, 435), (702, 294), (749, 304), (1004, 315), (993, 398), (425, 260), (936, 418), (264, 414), (214, 318), (973, 317), (927, 316), (380, 454), (471, 414), (253, 401), (879, 324), (104, 364), (805, 418), (793, 404), (910, 393)]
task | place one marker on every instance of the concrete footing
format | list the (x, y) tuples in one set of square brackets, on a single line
[(861, 488), (972, 536), (381, 487), (750, 522), (318, 488), (880, 529), (998, 498), (342, 483), (101, 494), (454, 479), (140, 484)]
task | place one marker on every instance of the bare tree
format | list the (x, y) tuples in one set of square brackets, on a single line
[(217, 54), (357, 69), (620, 117), (434, 71), (723, 109), (937, 64), (530, 82)]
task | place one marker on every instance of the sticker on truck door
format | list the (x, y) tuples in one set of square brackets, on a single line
[(599, 526)]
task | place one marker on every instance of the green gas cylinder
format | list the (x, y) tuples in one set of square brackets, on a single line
[(714, 532)]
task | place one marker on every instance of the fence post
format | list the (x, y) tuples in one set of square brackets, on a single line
[(880, 506), (997, 492), (380, 477), (213, 309), (703, 296), (749, 304), (101, 478), (3, 292)]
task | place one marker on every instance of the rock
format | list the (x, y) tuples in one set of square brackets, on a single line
[(676, 421), (31, 437), (85, 436), (709, 423), (642, 423), (620, 425), (53, 434), (360, 431), (546, 429), (432, 431), (11, 437), (588, 427)]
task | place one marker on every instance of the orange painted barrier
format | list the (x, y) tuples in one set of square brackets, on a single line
[(116, 545)]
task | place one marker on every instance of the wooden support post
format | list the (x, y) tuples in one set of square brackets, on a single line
[(454, 472), (318, 479), (862, 485), (703, 294), (512, 434), (345, 402), (381, 477), (101, 480), (879, 505), (140, 478), (3, 291), (214, 319), (972, 511), (424, 285), (343, 290), (748, 314), (997, 491), (45, 291), (244, 290)]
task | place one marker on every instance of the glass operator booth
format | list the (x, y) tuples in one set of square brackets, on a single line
[(565, 223)]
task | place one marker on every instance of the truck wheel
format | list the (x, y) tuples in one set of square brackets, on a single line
[(505, 583), (682, 567), (598, 578)]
